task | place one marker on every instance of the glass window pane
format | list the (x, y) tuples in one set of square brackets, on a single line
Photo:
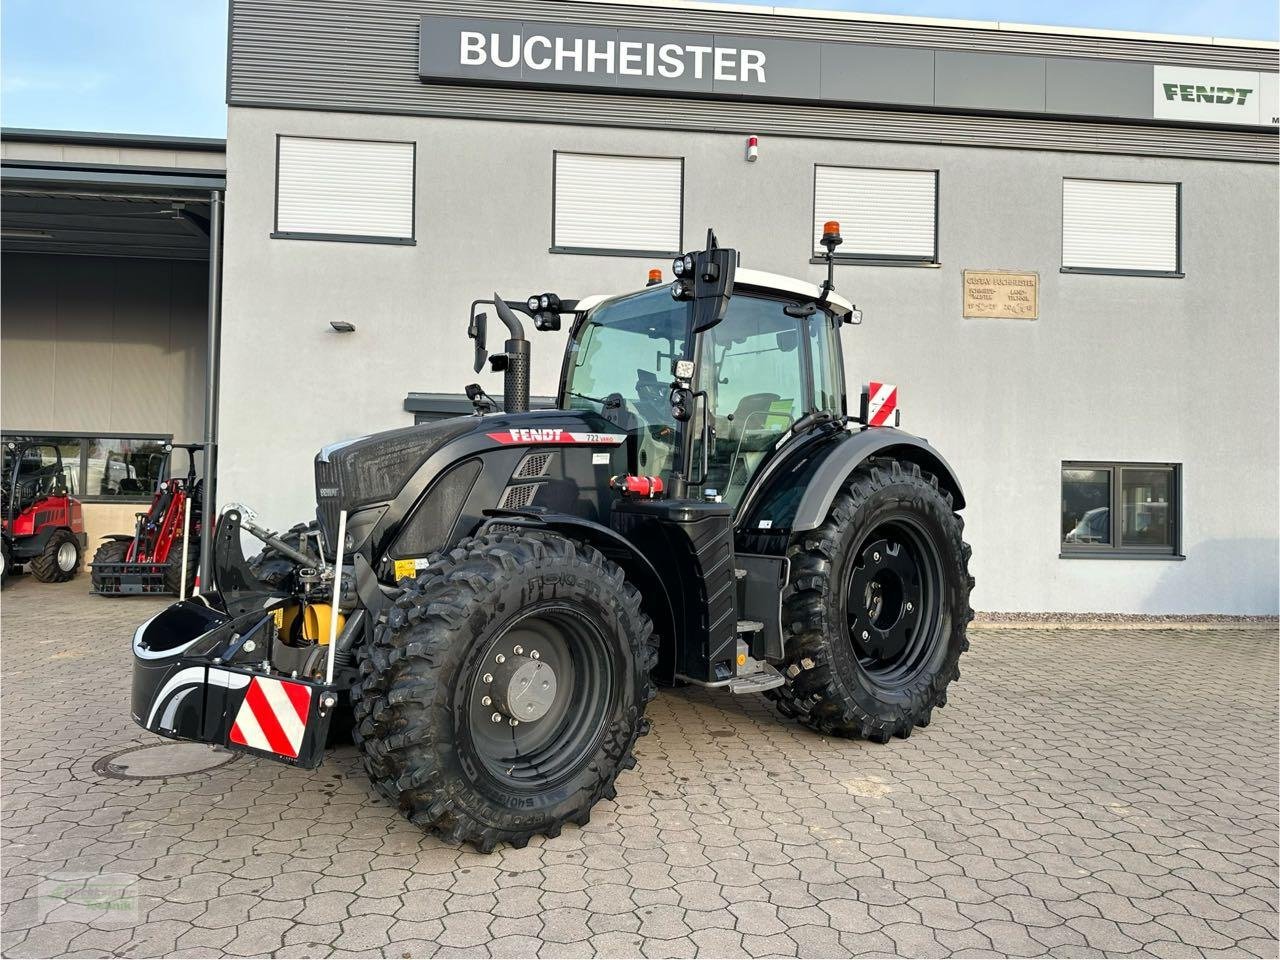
[(1086, 506), (826, 377), (124, 468), (622, 356), (752, 369), (1144, 508)]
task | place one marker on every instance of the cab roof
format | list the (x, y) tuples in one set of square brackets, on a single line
[(760, 280)]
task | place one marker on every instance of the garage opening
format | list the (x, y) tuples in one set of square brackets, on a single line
[(110, 255)]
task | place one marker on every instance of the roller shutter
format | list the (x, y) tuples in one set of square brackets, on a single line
[(883, 214), (345, 189), (616, 203), (1115, 225)]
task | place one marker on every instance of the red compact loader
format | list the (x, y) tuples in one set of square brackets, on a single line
[(43, 525), (162, 553)]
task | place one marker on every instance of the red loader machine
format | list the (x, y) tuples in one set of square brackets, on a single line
[(492, 601), (43, 525), (162, 554)]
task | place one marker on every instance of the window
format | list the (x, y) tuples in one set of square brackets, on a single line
[(756, 385), (629, 206), (621, 359), (359, 190), (886, 216), (1143, 498), (1119, 226), (122, 469)]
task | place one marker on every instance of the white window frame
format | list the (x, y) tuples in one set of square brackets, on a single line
[(1176, 273), (557, 247), (342, 237), (844, 253)]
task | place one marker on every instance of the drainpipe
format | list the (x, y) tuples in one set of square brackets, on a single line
[(210, 505)]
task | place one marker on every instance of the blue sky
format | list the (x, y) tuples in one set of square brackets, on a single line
[(157, 66)]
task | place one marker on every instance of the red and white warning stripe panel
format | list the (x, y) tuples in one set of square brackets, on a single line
[(527, 435), (882, 403), (273, 716)]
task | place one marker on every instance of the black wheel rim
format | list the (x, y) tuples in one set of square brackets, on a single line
[(553, 641), (893, 601)]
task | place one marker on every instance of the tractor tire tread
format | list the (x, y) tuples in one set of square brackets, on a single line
[(817, 695), (44, 567), (401, 726)]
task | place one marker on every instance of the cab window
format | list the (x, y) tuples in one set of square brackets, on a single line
[(753, 373)]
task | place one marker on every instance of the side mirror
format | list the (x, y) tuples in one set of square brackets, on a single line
[(477, 331)]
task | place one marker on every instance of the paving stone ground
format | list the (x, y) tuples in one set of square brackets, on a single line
[(1083, 793)]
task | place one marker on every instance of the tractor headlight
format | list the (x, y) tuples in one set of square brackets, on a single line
[(532, 302), (677, 266), (688, 263), (544, 301)]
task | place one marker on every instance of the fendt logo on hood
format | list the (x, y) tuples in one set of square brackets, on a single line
[(1195, 93), (527, 435)]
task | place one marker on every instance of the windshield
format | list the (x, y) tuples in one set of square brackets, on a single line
[(621, 361)]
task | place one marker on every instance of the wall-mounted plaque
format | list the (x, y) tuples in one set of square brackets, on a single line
[(1002, 295)]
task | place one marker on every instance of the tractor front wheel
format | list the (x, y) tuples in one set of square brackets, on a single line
[(504, 693), (877, 608), (111, 551), (59, 560)]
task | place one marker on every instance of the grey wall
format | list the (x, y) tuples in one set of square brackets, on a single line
[(1116, 368), (103, 345)]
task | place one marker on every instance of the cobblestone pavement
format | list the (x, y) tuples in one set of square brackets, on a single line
[(1083, 793)]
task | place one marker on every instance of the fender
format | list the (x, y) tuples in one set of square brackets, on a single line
[(822, 471), (656, 601)]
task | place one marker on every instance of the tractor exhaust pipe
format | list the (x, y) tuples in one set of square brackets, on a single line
[(515, 377)]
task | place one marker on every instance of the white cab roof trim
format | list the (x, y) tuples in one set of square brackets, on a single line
[(749, 278), (801, 288)]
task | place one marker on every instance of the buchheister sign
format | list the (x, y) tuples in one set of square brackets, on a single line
[(488, 50)]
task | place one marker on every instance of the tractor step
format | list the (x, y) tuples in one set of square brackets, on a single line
[(750, 626), (766, 678)]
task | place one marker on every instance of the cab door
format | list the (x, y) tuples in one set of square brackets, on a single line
[(761, 371)]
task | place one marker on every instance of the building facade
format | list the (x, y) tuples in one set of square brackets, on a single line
[(1064, 246)]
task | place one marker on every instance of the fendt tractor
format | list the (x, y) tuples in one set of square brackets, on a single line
[(490, 602)]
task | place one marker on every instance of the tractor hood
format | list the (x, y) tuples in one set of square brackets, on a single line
[(397, 466)]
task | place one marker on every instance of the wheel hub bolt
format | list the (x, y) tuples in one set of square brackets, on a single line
[(496, 718), (910, 607), (487, 678), (500, 658), (518, 650), (865, 635), (514, 722), (534, 654), (486, 701), (876, 556)]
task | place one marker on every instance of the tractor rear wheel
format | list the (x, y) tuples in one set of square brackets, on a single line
[(59, 560), (877, 608), (6, 560), (112, 551), (505, 691), (173, 575)]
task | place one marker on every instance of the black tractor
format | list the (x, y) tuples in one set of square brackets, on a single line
[(490, 602)]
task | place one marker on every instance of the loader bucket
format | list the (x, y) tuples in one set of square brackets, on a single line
[(202, 675)]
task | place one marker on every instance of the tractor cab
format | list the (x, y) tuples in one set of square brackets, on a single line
[(759, 370)]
